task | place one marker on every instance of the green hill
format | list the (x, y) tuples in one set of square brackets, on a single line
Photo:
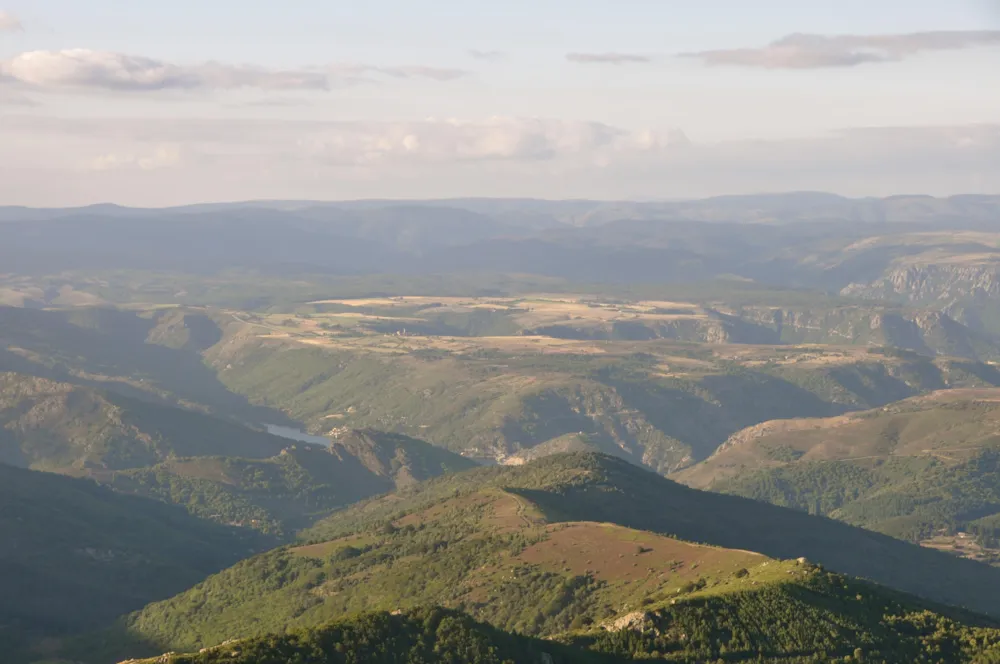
[(50, 425), (814, 614), (416, 637), (74, 555), (214, 468), (915, 469), (556, 545), (145, 354), (662, 404), (399, 460), (289, 491), (810, 616)]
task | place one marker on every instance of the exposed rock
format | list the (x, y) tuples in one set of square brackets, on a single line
[(635, 621)]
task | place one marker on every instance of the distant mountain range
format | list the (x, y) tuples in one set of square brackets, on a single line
[(582, 240)]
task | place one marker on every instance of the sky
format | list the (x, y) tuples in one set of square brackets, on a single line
[(162, 103)]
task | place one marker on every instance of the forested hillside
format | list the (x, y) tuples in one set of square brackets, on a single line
[(74, 555), (562, 544)]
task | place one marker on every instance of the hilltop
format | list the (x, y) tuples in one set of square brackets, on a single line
[(418, 636), (557, 544), (814, 614)]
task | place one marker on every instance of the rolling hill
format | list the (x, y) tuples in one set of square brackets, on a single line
[(485, 377), (282, 494), (817, 616), (660, 403), (214, 468), (57, 426), (556, 545), (913, 469)]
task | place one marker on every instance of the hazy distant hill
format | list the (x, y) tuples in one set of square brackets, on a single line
[(776, 239)]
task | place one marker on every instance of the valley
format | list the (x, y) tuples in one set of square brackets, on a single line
[(491, 455)]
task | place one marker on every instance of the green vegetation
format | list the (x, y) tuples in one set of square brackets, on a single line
[(285, 493), (661, 404), (803, 321), (556, 545), (914, 470), (75, 555), (416, 637), (215, 469), (816, 617), (912, 499), (63, 427)]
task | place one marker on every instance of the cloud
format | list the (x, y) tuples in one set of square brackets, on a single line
[(105, 70), (454, 141), (162, 156), (607, 58), (9, 22), (491, 56), (431, 141), (145, 161), (805, 51)]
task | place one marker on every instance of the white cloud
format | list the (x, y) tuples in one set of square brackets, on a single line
[(607, 58), (805, 51), (444, 141), (162, 156), (9, 22), (105, 70)]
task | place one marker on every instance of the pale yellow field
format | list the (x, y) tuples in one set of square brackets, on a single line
[(407, 344)]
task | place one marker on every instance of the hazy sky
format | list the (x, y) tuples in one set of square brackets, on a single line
[(155, 103)]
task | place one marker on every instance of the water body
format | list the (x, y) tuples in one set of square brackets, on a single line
[(297, 434)]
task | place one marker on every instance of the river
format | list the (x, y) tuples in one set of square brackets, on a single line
[(296, 434)]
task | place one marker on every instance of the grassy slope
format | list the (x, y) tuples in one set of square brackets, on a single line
[(553, 545), (908, 469)]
